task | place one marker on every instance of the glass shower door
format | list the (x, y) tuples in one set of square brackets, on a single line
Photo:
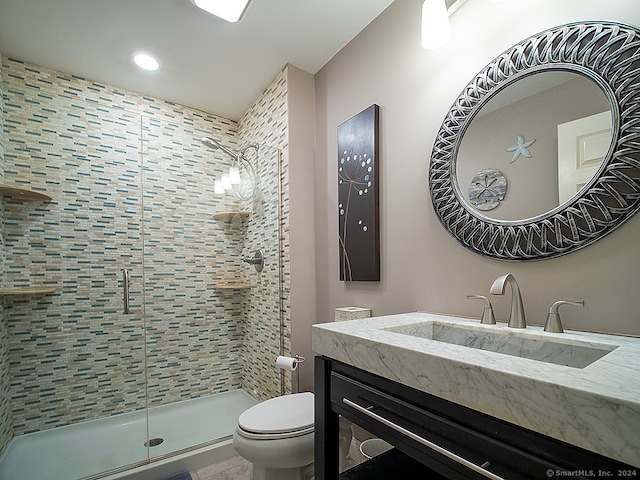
[(100, 205), (78, 375)]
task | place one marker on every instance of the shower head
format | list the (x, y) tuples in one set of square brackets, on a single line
[(215, 145), (210, 142)]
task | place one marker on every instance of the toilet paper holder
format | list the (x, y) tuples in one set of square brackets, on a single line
[(290, 364), (300, 359)]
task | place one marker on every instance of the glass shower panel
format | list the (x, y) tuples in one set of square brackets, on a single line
[(193, 339), (198, 289), (262, 311)]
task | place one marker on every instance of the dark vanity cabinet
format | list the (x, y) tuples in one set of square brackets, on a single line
[(434, 438)]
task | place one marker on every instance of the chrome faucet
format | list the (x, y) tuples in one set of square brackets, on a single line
[(516, 316)]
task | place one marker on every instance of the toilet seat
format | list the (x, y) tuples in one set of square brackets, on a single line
[(281, 417), (273, 436)]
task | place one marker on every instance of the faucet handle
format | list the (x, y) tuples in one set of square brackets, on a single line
[(488, 318), (553, 323)]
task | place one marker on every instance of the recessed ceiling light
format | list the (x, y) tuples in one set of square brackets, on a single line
[(229, 10), (146, 61)]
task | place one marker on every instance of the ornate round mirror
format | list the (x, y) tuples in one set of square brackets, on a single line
[(540, 153)]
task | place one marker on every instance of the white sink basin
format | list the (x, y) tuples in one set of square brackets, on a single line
[(515, 342)]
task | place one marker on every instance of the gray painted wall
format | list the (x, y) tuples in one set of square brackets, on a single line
[(423, 267)]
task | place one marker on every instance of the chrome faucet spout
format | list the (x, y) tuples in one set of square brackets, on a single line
[(516, 316)]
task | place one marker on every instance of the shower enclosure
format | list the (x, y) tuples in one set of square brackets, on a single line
[(151, 310)]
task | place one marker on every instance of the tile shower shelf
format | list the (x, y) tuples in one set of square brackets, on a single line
[(26, 291), (21, 192), (230, 215), (232, 285)]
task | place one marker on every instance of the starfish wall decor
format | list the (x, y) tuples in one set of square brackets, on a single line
[(522, 148)]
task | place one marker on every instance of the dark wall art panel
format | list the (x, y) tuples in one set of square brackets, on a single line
[(358, 212)]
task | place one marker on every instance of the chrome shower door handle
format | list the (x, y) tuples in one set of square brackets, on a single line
[(125, 289)]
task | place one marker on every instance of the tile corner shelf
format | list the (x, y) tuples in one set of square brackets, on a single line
[(22, 192), (234, 220), (230, 215), (226, 285), (26, 291)]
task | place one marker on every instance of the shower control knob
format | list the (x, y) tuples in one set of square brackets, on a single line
[(257, 260)]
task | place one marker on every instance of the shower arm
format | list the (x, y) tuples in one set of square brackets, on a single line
[(227, 151), (237, 156)]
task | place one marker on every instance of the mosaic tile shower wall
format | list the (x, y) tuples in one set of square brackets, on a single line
[(109, 159), (266, 123)]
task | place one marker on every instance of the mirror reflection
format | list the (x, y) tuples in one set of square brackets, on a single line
[(546, 135)]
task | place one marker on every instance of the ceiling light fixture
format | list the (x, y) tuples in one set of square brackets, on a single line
[(145, 61), (435, 24), (229, 10)]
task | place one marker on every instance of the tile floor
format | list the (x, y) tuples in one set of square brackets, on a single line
[(235, 468)]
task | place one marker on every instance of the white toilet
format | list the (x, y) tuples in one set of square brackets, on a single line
[(276, 436)]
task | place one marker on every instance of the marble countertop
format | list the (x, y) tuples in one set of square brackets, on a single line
[(596, 407)]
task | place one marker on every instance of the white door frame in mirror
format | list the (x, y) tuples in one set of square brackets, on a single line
[(609, 54)]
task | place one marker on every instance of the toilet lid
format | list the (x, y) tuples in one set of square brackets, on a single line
[(288, 413)]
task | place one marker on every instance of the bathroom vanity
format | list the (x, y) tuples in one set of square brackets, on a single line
[(460, 400)]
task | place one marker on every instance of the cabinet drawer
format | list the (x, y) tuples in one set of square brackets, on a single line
[(446, 446)]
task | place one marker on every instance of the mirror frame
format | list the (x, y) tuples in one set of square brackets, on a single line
[(609, 54)]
